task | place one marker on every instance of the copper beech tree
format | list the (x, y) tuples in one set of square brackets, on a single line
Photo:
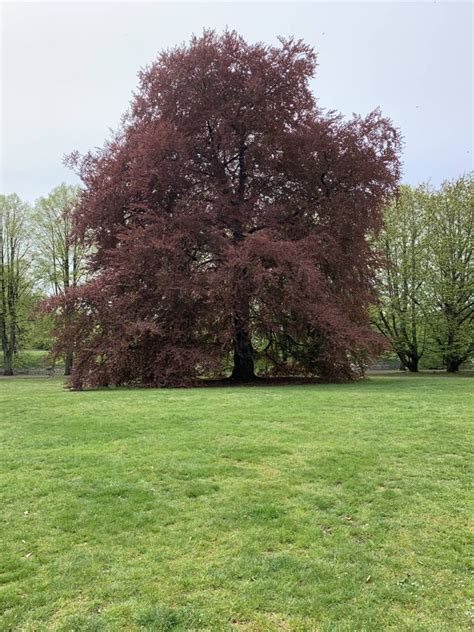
[(229, 220)]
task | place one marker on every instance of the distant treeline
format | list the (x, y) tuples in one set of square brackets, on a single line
[(425, 280)]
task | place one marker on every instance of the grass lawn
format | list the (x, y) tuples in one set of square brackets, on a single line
[(321, 507), (31, 359)]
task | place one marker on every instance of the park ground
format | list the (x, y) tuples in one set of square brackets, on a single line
[(315, 507)]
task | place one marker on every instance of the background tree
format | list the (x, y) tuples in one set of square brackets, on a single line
[(401, 314), (59, 256), (228, 209), (15, 282), (451, 270)]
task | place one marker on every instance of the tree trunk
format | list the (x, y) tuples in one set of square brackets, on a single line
[(244, 368), (452, 361), (453, 364), (68, 364), (409, 361), (7, 351), (7, 363)]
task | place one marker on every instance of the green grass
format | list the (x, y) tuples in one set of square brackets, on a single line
[(323, 507), (29, 359)]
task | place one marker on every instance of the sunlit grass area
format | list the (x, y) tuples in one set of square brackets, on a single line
[(319, 507), (29, 359)]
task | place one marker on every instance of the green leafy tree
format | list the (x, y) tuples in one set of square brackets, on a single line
[(59, 257), (451, 270), (15, 279), (401, 313)]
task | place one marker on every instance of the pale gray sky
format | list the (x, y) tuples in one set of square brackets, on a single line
[(69, 68)]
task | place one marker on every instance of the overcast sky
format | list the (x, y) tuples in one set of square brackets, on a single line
[(69, 68)]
